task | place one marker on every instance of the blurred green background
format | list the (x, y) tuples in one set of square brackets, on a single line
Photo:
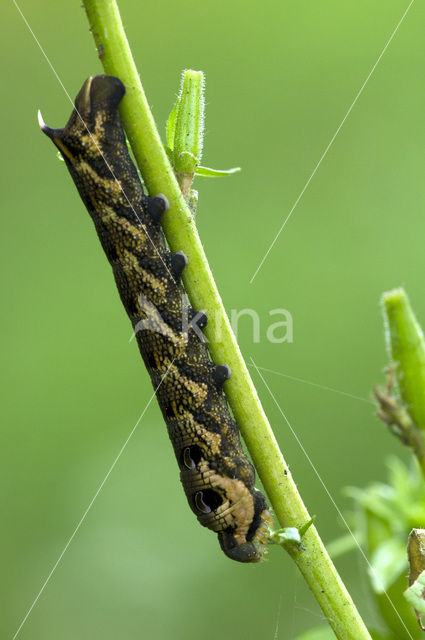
[(280, 78)]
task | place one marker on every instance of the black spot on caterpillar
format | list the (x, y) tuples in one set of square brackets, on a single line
[(217, 477)]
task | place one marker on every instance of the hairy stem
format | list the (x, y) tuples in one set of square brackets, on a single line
[(180, 230), (406, 346)]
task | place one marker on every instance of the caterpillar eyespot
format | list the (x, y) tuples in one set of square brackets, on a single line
[(192, 456), (207, 501), (217, 477)]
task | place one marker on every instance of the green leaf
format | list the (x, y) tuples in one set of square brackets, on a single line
[(186, 159), (189, 123), (171, 124), (285, 536), (388, 561), (414, 594), (377, 635), (399, 505), (377, 498), (302, 530), (318, 633), (169, 153), (290, 535), (326, 633), (344, 544), (60, 157), (207, 172)]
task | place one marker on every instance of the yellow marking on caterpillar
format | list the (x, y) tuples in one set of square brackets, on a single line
[(63, 149), (131, 237), (197, 433), (131, 263), (110, 185), (153, 322)]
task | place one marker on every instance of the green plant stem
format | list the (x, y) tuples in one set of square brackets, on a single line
[(180, 230), (406, 346)]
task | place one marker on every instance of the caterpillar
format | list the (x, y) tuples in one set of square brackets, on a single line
[(217, 476)]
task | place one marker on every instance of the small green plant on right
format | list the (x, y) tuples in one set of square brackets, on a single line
[(389, 517)]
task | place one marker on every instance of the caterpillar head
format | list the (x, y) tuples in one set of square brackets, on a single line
[(93, 146), (94, 125), (236, 512), (255, 544)]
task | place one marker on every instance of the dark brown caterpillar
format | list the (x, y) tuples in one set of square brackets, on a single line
[(216, 474)]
